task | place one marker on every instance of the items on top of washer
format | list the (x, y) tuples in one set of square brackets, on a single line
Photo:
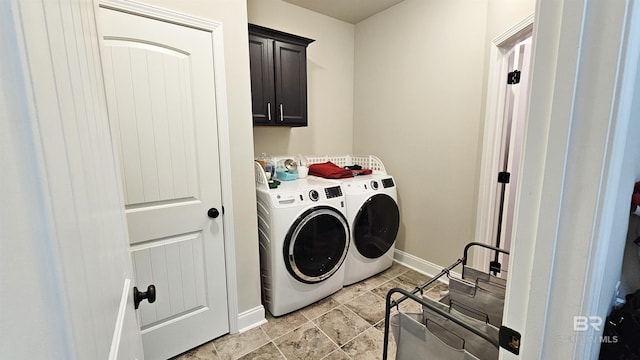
[(358, 170), (329, 170), (364, 161), (268, 165), (286, 175), (361, 172), (303, 169), (273, 184), (289, 172)]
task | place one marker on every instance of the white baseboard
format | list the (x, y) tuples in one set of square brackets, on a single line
[(421, 265), (251, 318)]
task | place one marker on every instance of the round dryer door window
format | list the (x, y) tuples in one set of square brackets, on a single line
[(316, 244), (376, 225)]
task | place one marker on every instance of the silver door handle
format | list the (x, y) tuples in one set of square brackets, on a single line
[(269, 111), (281, 113)]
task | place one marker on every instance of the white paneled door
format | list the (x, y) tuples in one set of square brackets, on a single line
[(159, 78)]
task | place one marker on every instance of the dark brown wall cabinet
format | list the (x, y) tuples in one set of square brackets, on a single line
[(278, 77)]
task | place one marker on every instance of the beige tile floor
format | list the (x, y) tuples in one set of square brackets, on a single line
[(346, 325)]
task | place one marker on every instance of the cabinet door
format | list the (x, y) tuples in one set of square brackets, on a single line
[(262, 89), (290, 83)]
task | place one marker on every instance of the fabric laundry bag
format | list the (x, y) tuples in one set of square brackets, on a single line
[(482, 297), (415, 340), (473, 275), (474, 344)]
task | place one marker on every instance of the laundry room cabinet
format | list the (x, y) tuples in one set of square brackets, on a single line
[(278, 77)]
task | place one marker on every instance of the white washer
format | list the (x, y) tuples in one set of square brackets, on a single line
[(304, 238), (374, 219)]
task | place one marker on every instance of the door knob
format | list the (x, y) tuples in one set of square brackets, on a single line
[(138, 295), (213, 213)]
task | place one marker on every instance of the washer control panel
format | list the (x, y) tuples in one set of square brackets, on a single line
[(332, 192), (295, 198)]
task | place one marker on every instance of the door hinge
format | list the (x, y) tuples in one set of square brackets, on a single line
[(509, 339), (513, 77), (504, 177)]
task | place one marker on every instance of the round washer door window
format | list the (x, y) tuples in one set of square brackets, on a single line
[(316, 244), (376, 225)]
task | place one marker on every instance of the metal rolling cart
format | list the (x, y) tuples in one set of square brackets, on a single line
[(492, 335)]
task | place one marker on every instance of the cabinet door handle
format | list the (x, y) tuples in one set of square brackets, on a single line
[(281, 113), (269, 111)]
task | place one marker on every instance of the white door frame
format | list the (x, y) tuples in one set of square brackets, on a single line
[(493, 125), (575, 190), (224, 146)]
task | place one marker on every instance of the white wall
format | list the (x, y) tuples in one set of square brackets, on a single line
[(329, 81), (503, 14), (233, 16), (418, 91)]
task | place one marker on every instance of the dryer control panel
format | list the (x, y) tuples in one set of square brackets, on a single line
[(388, 182)]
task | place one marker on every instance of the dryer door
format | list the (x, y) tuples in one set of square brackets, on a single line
[(376, 225), (316, 244)]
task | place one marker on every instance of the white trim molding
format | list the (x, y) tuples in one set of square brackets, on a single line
[(155, 12), (251, 318), (515, 32)]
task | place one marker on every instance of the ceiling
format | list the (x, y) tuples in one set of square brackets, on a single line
[(351, 11)]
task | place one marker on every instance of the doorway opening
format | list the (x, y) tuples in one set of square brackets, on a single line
[(505, 122)]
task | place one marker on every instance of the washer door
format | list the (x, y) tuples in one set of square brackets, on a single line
[(316, 244), (376, 225)]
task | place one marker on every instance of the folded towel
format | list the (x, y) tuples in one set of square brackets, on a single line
[(329, 170)]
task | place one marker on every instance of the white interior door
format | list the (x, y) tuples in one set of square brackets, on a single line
[(505, 121), (65, 269), (160, 89), (517, 59)]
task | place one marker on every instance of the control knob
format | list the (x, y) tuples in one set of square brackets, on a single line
[(374, 184), (313, 195)]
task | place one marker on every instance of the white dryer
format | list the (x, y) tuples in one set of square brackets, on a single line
[(374, 218), (304, 239)]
